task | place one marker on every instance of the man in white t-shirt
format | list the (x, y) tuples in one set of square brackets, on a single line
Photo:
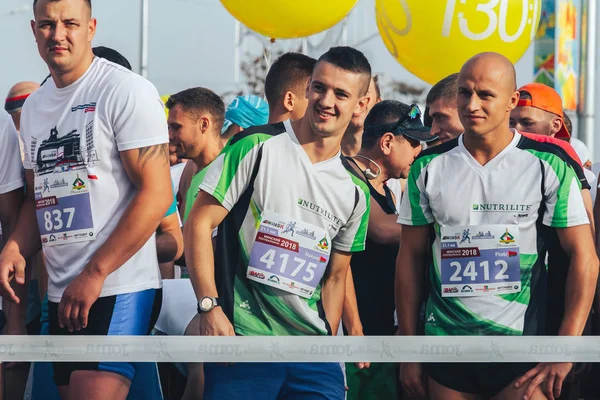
[(97, 173), (11, 177), (11, 199)]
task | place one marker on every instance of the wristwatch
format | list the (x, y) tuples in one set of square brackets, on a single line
[(207, 303)]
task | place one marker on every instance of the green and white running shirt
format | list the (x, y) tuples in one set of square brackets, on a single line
[(487, 219), (270, 171)]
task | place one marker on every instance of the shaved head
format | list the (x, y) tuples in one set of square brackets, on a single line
[(493, 64), (16, 98), (22, 88), (487, 93)]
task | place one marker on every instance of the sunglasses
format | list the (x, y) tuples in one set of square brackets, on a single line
[(402, 126)]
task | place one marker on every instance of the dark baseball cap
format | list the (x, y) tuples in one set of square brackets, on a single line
[(406, 121)]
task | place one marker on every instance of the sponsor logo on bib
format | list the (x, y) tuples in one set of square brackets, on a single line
[(507, 238), (323, 244)]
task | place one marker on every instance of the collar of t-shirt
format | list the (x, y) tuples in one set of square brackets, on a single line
[(304, 157)]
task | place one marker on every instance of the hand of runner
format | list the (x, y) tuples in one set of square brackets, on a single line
[(549, 376), (412, 380), (12, 264), (77, 300), (358, 331), (215, 323)]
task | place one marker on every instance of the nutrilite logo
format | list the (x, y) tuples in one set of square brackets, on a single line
[(310, 206), (500, 207)]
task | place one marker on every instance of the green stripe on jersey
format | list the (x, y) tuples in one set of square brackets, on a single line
[(361, 234), (565, 175), (234, 156), (192, 192), (418, 217)]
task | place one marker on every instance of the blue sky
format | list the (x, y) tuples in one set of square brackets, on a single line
[(191, 43)]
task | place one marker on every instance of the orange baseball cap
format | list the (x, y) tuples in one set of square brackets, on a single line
[(547, 99)]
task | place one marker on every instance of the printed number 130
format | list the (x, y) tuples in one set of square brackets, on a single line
[(54, 220), (269, 260), (495, 21), (472, 273)]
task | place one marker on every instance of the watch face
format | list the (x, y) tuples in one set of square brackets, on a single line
[(206, 303)]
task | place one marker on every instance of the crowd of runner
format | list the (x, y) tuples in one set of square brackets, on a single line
[(324, 210)]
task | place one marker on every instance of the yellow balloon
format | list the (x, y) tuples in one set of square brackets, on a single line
[(286, 19), (433, 38)]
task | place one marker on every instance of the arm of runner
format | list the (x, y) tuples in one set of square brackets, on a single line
[(581, 280), (565, 211), (580, 291), (383, 228), (23, 243), (589, 209), (350, 316), (226, 179), (9, 202), (334, 288), (206, 214), (596, 214), (410, 273), (169, 239), (15, 313), (148, 170), (595, 321), (416, 216)]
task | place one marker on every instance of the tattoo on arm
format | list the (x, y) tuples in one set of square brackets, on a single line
[(160, 151)]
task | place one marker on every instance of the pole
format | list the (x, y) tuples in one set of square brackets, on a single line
[(236, 55), (586, 117), (144, 41)]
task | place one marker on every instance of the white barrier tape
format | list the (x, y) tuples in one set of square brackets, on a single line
[(300, 348)]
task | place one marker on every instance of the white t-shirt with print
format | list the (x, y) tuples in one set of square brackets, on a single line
[(73, 136)]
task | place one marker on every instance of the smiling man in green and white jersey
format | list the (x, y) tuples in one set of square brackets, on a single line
[(289, 215), (492, 218)]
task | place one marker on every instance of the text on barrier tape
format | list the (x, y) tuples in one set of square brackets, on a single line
[(300, 348)]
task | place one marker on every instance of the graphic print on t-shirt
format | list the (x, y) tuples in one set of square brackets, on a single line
[(59, 154), (62, 195)]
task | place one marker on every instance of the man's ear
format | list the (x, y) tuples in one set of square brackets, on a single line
[(557, 125), (288, 101), (92, 24), (514, 101), (386, 142), (362, 105), (203, 124)]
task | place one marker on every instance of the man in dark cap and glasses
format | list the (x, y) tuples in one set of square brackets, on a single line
[(391, 141)]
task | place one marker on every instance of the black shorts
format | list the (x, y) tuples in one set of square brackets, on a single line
[(485, 379), (124, 314)]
